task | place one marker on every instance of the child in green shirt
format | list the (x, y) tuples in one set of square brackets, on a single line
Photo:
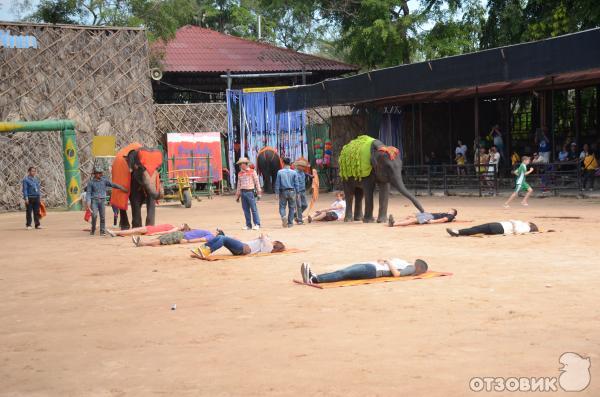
[(521, 184)]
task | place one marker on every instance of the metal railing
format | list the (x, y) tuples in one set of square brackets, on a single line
[(486, 179)]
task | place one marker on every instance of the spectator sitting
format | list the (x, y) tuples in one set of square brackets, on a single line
[(590, 166), (573, 155), (584, 152), (336, 211), (563, 155)]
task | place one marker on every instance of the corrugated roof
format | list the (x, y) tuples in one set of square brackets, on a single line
[(196, 49)]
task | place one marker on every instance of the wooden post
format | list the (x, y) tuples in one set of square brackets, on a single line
[(578, 118), (414, 139), (421, 130), (476, 119), (509, 115), (450, 130)]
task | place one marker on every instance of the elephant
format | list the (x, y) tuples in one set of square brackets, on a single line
[(137, 168), (387, 169), (268, 163)]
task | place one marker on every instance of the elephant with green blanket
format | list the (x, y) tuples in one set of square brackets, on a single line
[(366, 162)]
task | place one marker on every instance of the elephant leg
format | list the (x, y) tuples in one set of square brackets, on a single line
[(136, 211), (358, 204), (267, 186), (384, 195), (369, 191), (123, 220), (349, 193), (150, 211)]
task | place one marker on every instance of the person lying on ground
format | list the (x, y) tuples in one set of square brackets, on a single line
[(336, 211), (503, 227), (393, 267), (262, 244), (422, 218), (156, 230), (177, 237)]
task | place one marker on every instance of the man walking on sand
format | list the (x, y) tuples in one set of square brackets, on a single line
[(31, 196), (287, 186), (521, 183)]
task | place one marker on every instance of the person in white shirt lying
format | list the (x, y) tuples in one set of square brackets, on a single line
[(503, 227), (393, 267)]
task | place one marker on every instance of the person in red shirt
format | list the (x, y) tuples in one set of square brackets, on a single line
[(247, 186), (150, 230)]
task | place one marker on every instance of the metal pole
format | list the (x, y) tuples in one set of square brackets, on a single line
[(69, 146), (71, 163), (414, 139)]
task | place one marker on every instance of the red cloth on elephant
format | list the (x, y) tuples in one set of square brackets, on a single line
[(122, 176), (391, 151), (270, 149), (151, 159)]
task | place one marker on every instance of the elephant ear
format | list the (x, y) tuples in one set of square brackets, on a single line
[(390, 151), (151, 159), (121, 175)]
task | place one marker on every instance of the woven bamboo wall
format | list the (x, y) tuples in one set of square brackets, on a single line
[(95, 76), (194, 117)]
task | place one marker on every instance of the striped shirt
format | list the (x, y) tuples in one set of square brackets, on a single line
[(248, 180)]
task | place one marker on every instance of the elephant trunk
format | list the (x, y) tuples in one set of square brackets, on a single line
[(149, 184), (397, 182)]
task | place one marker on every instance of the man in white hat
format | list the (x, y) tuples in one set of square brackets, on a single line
[(248, 185)]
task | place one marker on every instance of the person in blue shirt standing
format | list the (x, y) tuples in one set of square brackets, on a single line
[(31, 196), (286, 189), (301, 204), (95, 199)]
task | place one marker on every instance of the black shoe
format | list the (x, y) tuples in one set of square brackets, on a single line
[(391, 220), (103, 233), (220, 232), (92, 233), (452, 232), (309, 219)]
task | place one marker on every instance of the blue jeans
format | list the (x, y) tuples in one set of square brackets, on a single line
[(287, 198), (360, 271), (97, 207), (32, 210), (354, 272), (301, 205), (249, 207), (236, 247)]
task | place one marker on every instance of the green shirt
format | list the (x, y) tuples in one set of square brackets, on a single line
[(521, 173)]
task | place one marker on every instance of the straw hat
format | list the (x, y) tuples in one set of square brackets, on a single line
[(243, 160), (301, 163)]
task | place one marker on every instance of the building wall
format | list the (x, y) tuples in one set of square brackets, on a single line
[(95, 76)]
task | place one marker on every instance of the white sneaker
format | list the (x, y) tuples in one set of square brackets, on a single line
[(255, 227), (245, 228), (28, 228)]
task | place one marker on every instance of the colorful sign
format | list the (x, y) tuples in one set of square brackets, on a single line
[(188, 155)]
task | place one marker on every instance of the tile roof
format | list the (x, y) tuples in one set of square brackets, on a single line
[(196, 49)]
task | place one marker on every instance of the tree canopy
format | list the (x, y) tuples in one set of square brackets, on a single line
[(368, 33)]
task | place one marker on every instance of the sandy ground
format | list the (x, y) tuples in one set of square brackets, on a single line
[(91, 316)]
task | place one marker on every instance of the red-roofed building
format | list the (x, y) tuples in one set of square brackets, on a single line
[(194, 61)]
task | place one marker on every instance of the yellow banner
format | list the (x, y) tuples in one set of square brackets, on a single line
[(264, 89), (104, 146)]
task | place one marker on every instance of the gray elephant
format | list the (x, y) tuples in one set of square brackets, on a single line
[(386, 170), (137, 168)]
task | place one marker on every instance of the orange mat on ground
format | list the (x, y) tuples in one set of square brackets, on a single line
[(349, 283), (213, 258)]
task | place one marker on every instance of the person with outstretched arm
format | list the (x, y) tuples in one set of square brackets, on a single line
[(95, 198), (263, 244)]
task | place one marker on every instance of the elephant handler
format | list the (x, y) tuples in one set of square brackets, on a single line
[(95, 198), (247, 185), (423, 218), (287, 186), (31, 196), (178, 237), (301, 204)]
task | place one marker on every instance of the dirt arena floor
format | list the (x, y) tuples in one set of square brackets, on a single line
[(91, 316)]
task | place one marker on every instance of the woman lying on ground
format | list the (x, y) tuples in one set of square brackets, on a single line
[(150, 230), (503, 227), (262, 244), (177, 237), (422, 218), (336, 211), (392, 267)]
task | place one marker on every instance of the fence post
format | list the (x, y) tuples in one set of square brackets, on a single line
[(209, 180), (429, 180), (478, 174), (496, 175), (445, 180)]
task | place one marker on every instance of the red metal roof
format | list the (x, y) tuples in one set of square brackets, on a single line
[(196, 49)]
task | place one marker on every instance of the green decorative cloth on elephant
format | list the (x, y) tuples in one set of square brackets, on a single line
[(355, 158)]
